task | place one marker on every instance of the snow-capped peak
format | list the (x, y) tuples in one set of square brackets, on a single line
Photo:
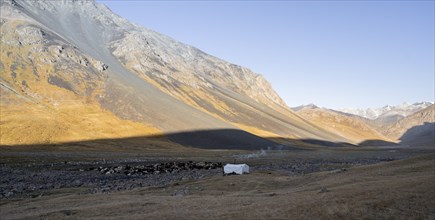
[(401, 110)]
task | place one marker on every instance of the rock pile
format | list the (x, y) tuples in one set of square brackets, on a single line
[(159, 168)]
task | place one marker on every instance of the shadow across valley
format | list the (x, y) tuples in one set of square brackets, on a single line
[(324, 143), (376, 143), (221, 139), (215, 139)]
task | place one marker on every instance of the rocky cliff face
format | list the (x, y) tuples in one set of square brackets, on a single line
[(156, 56), (78, 54)]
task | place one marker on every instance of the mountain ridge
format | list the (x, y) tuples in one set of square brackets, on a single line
[(63, 52)]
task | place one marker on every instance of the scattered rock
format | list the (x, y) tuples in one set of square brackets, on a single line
[(323, 189), (182, 192), (338, 170), (272, 194), (159, 168)]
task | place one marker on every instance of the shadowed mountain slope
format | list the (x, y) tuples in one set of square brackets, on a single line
[(421, 135), (415, 129)]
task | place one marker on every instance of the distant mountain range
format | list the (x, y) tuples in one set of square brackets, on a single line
[(352, 127), (388, 113), (409, 124)]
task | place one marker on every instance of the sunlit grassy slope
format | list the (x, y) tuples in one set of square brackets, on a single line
[(350, 127), (24, 122)]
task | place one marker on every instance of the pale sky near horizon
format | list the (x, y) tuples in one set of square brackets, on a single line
[(334, 54)]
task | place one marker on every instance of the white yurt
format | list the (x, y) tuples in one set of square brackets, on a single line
[(236, 169)]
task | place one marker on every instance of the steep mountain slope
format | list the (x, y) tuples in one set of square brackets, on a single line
[(388, 114), (78, 56), (351, 127), (415, 129)]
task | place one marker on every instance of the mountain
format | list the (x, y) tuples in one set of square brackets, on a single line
[(74, 70), (301, 107), (388, 114), (415, 129), (352, 127)]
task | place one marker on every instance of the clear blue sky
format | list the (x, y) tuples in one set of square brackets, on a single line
[(334, 54)]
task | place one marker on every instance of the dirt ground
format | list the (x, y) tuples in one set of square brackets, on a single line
[(330, 183)]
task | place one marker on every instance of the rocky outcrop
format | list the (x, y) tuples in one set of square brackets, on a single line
[(34, 56)]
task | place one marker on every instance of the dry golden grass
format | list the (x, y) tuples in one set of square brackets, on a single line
[(400, 189), (29, 123)]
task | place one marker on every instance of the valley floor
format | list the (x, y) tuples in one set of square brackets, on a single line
[(325, 183)]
